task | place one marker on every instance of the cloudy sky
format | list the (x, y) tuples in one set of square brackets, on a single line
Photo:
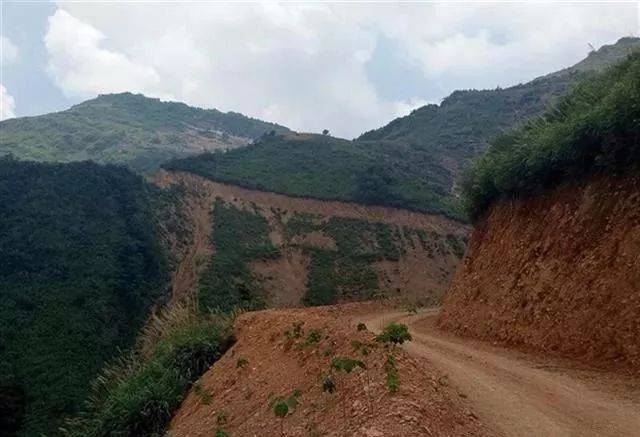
[(347, 67)]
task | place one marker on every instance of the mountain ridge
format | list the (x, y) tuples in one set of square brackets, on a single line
[(131, 129), (412, 162)]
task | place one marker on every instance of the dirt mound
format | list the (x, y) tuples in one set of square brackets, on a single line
[(558, 272), (273, 360)]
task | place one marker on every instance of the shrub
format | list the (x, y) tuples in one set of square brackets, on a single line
[(394, 333), (362, 327), (313, 337), (242, 362), (281, 409), (346, 364)]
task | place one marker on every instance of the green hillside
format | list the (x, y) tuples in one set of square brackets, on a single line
[(80, 267), (413, 162), (128, 129), (594, 128)]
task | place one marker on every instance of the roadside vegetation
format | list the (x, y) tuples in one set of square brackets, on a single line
[(137, 394), (595, 128)]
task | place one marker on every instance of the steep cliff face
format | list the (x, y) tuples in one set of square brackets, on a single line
[(317, 252), (557, 272)]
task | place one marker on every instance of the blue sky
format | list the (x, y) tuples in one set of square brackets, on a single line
[(348, 67)]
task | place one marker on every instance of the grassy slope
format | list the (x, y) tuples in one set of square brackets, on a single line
[(412, 162), (596, 127), (79, 268), (127, 129)]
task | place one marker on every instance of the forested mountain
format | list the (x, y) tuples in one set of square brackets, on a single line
[(80, 266), (129, 129), (412, 162)]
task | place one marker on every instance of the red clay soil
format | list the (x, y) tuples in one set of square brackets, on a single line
[(559, 272), (196, 219), (237, 394)]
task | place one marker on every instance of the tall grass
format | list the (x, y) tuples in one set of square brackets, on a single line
[(137, 394), (596, 127)]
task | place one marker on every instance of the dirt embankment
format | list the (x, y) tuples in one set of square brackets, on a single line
[(238, 394), (558, 272), (422, 273)]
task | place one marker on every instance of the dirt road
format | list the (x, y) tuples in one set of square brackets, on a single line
[(514, 394)]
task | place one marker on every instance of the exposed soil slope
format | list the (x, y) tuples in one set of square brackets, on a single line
[(237, 393), (193, 248), (557, 272), (426, 249), (524, 395)]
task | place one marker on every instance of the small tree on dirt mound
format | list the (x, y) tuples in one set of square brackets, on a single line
[(394, 333), (281, 409)]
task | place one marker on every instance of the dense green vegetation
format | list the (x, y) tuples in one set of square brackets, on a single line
[(239, 237), (411, 163), (137, 394), (126, 129), (595, 128), (80, 266)]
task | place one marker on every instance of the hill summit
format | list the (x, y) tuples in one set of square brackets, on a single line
[(129, 129)]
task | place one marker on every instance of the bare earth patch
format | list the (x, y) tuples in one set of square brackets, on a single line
[(237, 394)]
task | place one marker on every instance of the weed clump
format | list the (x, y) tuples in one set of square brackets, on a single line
[(346, 364)]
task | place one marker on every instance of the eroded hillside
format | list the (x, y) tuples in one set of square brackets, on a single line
[(274, 250)]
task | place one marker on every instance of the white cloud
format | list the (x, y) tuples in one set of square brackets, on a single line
[(7, 104), (8, 50), (81, 66), (405, 107), (305, 65)]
